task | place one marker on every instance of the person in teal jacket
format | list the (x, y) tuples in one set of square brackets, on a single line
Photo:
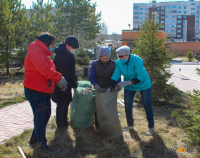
[(136, 79)]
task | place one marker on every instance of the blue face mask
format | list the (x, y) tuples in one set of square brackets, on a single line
[(50, 49), (124, 61)]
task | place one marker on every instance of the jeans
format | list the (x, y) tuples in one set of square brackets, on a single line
[(61, 115), (146, 100), (41, 107)]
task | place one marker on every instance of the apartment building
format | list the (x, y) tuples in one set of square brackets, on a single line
[(180, 19)]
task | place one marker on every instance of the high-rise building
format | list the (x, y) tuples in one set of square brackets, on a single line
[(180, 19)]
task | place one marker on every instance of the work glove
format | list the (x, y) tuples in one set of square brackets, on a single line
[(62, 84), (96, 86), (123, 84), (108, 90)]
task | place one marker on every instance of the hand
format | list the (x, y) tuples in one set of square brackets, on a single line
[(108, 90), (119, 87), (123, 84), (62, 84), (96, 86)]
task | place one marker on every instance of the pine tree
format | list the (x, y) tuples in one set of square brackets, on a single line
[(13, 26), (40, 19), (156, 58), (77, 18)]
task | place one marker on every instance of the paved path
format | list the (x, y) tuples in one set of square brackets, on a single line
[(14, 119), (185, 77)]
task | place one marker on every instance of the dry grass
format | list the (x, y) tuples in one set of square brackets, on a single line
[(12, 90), (93, 144)]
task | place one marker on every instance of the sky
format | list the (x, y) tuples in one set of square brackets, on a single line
[(116, 14)]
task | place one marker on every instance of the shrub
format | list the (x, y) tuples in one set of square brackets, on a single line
[(189, 55), (82, 57)]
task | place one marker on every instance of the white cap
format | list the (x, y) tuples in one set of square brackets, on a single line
[(124, 50)]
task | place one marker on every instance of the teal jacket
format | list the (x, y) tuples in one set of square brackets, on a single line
[(133, 69)]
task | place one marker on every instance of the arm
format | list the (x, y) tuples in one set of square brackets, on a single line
[(140, 72), (92, 74), (64, 64), (42, 66)]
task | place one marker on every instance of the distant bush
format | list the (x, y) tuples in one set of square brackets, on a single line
[(189, 55), (82, 57)]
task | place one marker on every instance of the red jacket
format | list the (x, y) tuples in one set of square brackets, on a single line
[(39, 68)]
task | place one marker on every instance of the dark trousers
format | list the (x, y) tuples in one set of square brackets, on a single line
[(146, 100), (41, 107), (95, 119), (61, 115)]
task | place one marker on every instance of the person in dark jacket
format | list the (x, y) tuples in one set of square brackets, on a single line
[(101, 72), (65, 64)]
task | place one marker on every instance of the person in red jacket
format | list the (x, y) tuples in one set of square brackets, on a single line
[(39, 83)]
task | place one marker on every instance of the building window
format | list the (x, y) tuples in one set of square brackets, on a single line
[(178, 31), (141, 13), (192, 3), (167, 26), (173, 6), (141, 8), (178, 26), (179, 17), (184, 36), (174, 11), (184, 17), (197, 21), (179, 21), (173, 16), (168, 7), (162, 12), (184, 21), (197, 26), (162, 22), (168, 11), (185, 7), (179, 7), (184, 26), (167, 16), (162, 8), (158, 8), (141, 18), (192, 8), (184, 31), (173, 25), (157, 17), (162, 17), (167, 30), (170, 21), (135, 13), (197, 11), (197, 16), (184, 12), (136, 17), (145, 13), (197, 6), (179, 11), (163, 26), (135, 8), (146, 8), (173, 35), (192, 13), (178, 35)]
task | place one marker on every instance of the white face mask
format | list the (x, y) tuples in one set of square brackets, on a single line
[(72, 51)]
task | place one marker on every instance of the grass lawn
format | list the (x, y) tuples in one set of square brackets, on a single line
[(93, 144)]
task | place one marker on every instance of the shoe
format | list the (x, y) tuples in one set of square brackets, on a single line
[(45, 148), (32, 142), (127, 128), (150, 132)]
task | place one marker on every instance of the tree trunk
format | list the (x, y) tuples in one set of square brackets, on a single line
[(7, 68)]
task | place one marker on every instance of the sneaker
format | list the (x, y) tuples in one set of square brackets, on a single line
[(127, 128), (150, 131)]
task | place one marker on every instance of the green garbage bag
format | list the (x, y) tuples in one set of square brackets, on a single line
[(82, 108), (84, 84)]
